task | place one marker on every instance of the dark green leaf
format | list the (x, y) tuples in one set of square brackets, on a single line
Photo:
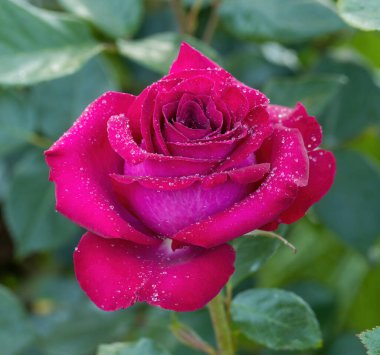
[(371, 340), (315, 92), (118, 18), (15, 330), (347, 344), (17, 121), (157, 52), (67, 322), (361, 14), (143, 346), (38, 45), (59, 102), (351, 208), (251, 253), (285, 21), (277, 319), (256, 65), (30, 208), (355, 107)]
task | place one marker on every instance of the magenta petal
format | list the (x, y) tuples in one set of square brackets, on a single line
[(246, 148), (191, 59), (140, 162), (298, 118), (289, 172), (245, 175), (167, 211), (204, 150), (80, 162), (115, 274), (321, 177)]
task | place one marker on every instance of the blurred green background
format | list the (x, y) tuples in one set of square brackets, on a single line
[(56, 56)]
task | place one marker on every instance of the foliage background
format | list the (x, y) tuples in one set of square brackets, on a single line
[(52, 65)]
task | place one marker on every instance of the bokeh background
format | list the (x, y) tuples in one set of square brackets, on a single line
[(53, 64)]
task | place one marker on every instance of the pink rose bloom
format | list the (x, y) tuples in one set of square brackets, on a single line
[(164, 180)]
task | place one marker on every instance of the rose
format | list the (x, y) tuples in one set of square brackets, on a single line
[(163, 180)]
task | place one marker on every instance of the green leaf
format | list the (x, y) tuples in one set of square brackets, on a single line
[(355, 107), (30, 208), (256, 65), (251, 254), (15, 330), (117, 18), (142, 346), (315, 92), (58, 103), (275, 19), (38, 45), (351, 208), (371, 340), (277, 319), (361, 14), (157, 52), (17, 121), (361, 314), (367, 44), (346, 344), (66, 321)]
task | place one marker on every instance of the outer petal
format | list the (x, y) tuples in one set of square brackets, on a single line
[(80, 163), (115, 273), (289, 172), (191, 59), (298, 118), (321, 177)]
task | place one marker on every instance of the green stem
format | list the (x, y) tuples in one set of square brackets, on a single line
[(221, 325)]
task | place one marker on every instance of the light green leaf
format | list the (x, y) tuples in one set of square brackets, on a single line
[(277, 319), (38, 45), (118, 18), (286, 21), (15, 330), (351, 208), (315, 92), (157, 52), (143, 346), (371, 340), (251, 253), (30, 208), (363, 14)]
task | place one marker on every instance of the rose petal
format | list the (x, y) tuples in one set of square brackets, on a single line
[(246, 148), (298, 118), (216, 150), (321, 177), (290, 169), (80, 162), (191, 59), (168, 211), (115, 274), (246, 175), (140, 162)]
